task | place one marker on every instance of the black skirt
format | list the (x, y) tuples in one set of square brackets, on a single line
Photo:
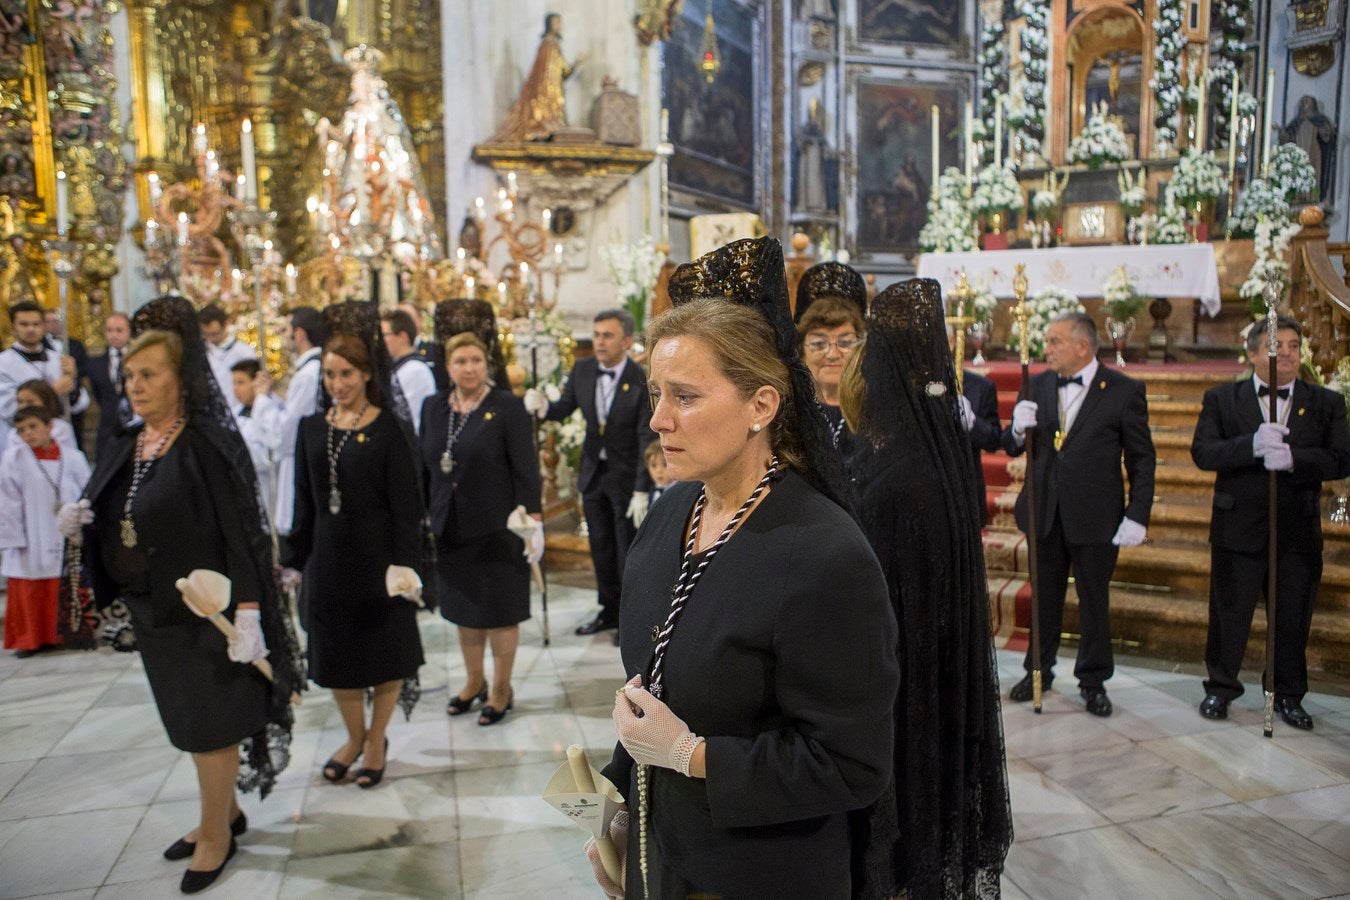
[(484, 582)]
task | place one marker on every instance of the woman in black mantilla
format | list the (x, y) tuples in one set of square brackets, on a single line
[(174, 494), (358, 510), (766, 678), (478, 465), (831, 303), (916, 502)]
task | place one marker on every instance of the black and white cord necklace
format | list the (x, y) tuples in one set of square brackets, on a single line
[(452, 429), (140, 467), (684, 587), (334, 494)]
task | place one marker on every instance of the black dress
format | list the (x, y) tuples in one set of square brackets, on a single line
[(206, 701), (482, 576), (784, 660), (359, 636)]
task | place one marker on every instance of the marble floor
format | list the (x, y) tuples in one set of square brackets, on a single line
[(1152, 802)]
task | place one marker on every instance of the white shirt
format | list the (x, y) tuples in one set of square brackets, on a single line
[(222, 358), (417, 383), (261, 430), (302, 399), (31, 543), (15, 369), (605, 389), (1071, 396), (1281, 403), (62, 432)]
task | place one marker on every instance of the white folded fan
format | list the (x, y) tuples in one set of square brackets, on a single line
[(399, 580), (589, 800), (207, 594), (522, 525)]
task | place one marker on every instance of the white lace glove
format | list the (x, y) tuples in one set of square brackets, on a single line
[(1279, 458), (1023, 417), (637, 508), (1129, 534), (72, 518), (536, 404), (967, 414), (534, 544), (1268, 436), (249, 646), (659, 738), (290, 579), (618, 833)]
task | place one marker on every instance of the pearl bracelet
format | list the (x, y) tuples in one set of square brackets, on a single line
[(683, 753)]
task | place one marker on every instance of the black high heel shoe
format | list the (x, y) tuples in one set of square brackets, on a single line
[(372, 776), (194, 881), (339, 769), (183, 848), (459, 706), (491, 715)]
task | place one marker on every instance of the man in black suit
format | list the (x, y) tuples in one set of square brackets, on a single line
[(979, 414), (611, 392), (105, 380), (1307, 445), (430, 352), (1085, 416)]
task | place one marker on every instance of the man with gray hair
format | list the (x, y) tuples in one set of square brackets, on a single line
[(1085, 417), (611, 392)]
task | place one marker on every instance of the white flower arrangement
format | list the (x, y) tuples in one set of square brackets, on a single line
[(570, 435), (1198, 178), (1291, 173), (1119, 297), (1168, 51), (1340, 379), (1247, 105), (982, 303), (1044, 202), (997, 190), (1271, 269), (993, 80), (634, 268), (1100, 142), (1134, 198), (1229, 19), (1043, 306), (951, 223), (1168, 227), (1258, 202), (1033, 54)]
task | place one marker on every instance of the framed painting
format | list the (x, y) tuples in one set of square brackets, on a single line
[(919, 30), (717, 126), (889, 181)]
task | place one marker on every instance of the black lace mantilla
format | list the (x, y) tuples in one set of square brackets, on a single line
[(476, 317)]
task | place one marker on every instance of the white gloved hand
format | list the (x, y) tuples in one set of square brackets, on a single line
[(535, 403), (1279, 458), (637, 508), (534, 544), (659, 738), (618, 833), (290, 579), (1129, 534), (1268, 435), (552, 393), (249, 646), (72, 518), (967, 414), (1023, 417)]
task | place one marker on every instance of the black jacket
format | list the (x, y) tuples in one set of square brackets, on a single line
[(496, 468), (1082, 482), (627, 429), (986, 434), (107, 395), (1320, 443)]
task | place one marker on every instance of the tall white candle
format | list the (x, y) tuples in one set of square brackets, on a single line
[(998, 129), (62, 202), (240, 188), (478, 212), (199, 142), (250, 160), (548, 219), (1203, 86), (469, 285), (1270, 121), (236, 281), (970, 143), (1233, 125), (936, 124), (182, 228), (156, 187), (290, 278)]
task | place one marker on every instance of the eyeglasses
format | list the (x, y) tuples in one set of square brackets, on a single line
[(842, 344)]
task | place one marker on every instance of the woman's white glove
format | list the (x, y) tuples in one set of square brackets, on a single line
[(637, 507), (618, 833), (72, 518), (659, 738), (534, 544), (249, 646)]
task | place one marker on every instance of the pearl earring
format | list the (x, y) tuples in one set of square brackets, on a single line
[(756, 428)]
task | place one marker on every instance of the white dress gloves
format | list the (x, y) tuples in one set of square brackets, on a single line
[(659, 738), (534, 544), (537, 401), (1023, 418), (72, 518), (1129, 534), (967, 414), (249, 647), (618, 833), (1268, 436), (637, 508), (1279, 458)]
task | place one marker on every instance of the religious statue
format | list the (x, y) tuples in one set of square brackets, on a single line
[(539, 111), (812, 183), (1316, 134)]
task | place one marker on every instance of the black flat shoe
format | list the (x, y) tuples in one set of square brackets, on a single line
[(597, 625), (1293, 713), (491, 715), (339, 770), (1021, 691), (1214, 707), (1097, 702), (459, 706), (183, 848), (194, 881), (372, 776)]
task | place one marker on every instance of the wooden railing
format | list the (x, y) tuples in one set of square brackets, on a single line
[(1319, 294)]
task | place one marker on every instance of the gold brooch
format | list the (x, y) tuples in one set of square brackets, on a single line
[(1102, 385), (1301, 410), (487, 417), (625, 387), (361, 438)]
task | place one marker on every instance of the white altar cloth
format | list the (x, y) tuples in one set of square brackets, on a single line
[(1156, 270)]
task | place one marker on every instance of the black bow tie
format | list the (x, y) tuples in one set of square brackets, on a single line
[(31, 355), (1264, 391), (608, 373), (1061, 381), (245, 412)]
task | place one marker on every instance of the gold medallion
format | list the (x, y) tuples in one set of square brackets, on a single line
[(656, 633), (1059, 439), (624, 386)]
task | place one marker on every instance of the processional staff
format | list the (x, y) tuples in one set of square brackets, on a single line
[(962, 295), (1022, 314), (1272, 349), (531, 304)]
